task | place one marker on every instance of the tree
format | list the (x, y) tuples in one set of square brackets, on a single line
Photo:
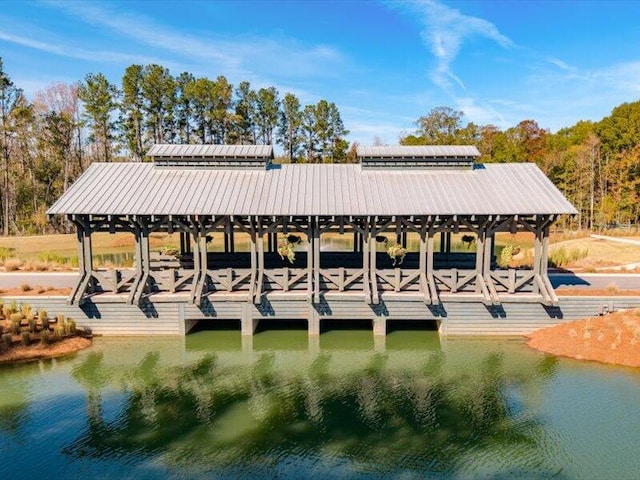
[(289, 135), (200, 94), (309, 133), (99, 98), (9, 95), (132, 107), (222, 96), (184, 107), (245, 110), (440, 126), (267, 107), (159, 92)]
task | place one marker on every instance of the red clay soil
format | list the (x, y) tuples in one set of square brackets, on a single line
[(613, 339), (35, 292), (36, 351), (597, 292)]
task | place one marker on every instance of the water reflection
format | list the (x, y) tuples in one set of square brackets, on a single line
[(286, 406), (209, 415)]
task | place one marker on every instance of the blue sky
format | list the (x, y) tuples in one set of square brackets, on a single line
[(383, 63)]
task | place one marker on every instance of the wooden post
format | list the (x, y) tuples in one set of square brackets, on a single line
[(537, 257), (85, 263), (372, 265), (366, 272), (310, 261), (254, 264), (480, 259), (260, 274), (316, 260)]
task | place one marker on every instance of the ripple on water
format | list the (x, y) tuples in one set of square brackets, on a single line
[(340, 406)]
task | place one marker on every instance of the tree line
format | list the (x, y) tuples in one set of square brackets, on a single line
[(595, 164), (48, 141)]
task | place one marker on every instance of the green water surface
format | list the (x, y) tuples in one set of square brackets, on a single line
[(280, 405)]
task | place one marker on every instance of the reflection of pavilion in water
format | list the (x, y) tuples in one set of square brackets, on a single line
[(369, 241), (365, 408)]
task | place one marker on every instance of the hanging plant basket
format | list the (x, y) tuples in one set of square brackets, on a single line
[(397, 253), (285, 249)]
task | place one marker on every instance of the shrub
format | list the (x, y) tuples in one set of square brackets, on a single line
[(58, 332), (15, 328), (32, 266), (25, 338), (42, 314), (25, 309), (45, 323), (1, 330), (6, 252), (45, 337), (560, 257), (60, 319), (16, 317), (70, 326), (7, 340), (12, 264), (40, 289), (1, 309), (33, 325)]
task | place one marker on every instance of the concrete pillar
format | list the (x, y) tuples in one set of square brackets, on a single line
[(248, 324), (379, 326), (314, 325), (380, 343)]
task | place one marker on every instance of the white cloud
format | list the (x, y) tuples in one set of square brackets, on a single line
[(56, 48), (444, 31), (237, 56)]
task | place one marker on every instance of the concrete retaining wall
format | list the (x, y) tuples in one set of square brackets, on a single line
[(454, 318)]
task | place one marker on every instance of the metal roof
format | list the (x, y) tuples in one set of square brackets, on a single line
[(419, 151), (317, 189), (211, 151)]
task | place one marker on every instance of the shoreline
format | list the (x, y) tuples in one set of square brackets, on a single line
[(612, 339)]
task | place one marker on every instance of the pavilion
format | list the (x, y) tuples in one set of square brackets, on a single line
[(405, 197)]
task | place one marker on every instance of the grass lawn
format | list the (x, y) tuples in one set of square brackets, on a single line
[(117, 249)]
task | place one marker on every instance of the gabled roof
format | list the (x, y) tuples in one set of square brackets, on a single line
[(317, 189), (211, 151), (418, 151)]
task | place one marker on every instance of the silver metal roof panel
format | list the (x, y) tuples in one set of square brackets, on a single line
[(418, 151), (321, 189)]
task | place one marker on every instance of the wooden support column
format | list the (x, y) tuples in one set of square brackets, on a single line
[(254, 262), (373, 275), (142, 260), (316, 260), (481, 285), (424, 281), (366, 272), (489, 243), (260, 258), (85, 263), (435, 299), (310, 260)]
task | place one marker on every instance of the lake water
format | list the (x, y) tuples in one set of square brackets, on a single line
[(341, 406)]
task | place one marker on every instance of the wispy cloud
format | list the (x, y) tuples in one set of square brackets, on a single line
[(444, 31), (56, 48), (238, 57)]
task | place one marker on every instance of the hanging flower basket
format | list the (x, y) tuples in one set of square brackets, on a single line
[(285, 249), (397, 253)]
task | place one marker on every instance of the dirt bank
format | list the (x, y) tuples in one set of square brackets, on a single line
[(613, 339), (36, 351)]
